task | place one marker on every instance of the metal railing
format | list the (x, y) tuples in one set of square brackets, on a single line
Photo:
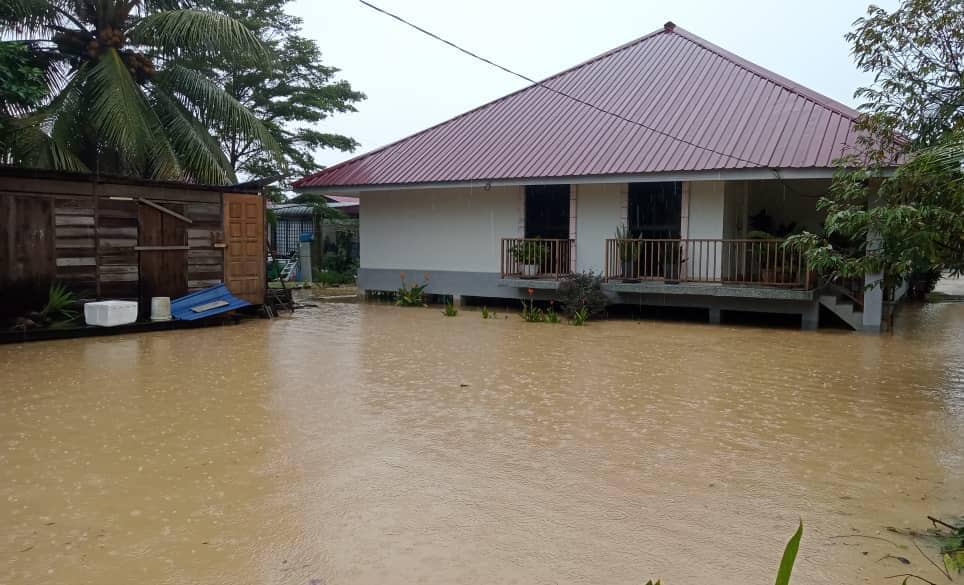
[(756, 262), (537, 258)]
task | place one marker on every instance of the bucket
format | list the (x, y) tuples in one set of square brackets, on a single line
[(160, 308)]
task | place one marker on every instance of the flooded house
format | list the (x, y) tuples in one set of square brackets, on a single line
[(669, 165), (123, 238)]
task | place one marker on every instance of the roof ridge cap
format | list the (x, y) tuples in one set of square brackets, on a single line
[(768, 75)]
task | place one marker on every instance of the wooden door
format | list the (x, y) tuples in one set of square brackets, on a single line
[(162, 250), (244, 258)]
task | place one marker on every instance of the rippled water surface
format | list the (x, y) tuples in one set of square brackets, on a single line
[(367, 444)]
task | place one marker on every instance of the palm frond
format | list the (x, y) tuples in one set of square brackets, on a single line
[(218, 106), (198, 153), (119, 109), (28, 15), (31, 147), (197, 32)]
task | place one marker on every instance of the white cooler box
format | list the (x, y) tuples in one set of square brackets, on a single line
[(110, 313)]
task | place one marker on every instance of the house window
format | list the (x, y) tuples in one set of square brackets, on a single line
[(547, 212), (654, 210)]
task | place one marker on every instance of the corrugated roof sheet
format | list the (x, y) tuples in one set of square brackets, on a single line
[(670, 80)]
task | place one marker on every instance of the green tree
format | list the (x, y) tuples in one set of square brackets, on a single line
[(119, 99), (896, 206), (292, 96)]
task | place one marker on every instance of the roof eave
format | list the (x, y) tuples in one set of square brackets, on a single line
[(712, 175)]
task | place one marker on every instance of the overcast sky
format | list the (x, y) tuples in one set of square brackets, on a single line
[(413, 81)]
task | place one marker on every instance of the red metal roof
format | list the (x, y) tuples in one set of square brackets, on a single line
[(670, 80)]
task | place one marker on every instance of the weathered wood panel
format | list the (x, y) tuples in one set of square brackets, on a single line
[(162, 273), (76, 255), (119, 273), (27, 249)]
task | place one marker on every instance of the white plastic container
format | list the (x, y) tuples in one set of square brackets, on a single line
[(160, 308), (110, 313)]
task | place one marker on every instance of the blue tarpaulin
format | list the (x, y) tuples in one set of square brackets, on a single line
[(204, 303)]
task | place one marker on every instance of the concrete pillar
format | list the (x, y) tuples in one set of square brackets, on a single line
[(874, 302), (715, 315), (873, 318), (810, 319), (304, 261)]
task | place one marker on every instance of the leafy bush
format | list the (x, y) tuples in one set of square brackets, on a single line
[(530, 251), (332, 278), (450, 310), (580, 317), (411, 295), (582, 291), (921, 283), (487, 314), (531, 313)]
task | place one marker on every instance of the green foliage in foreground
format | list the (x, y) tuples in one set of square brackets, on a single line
[(786, 562), (896, 205)]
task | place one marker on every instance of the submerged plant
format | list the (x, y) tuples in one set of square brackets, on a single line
[(411, 295), (487, 314), (530, 312), (450, 310), (789, 557), (550, 314), (580, 317)]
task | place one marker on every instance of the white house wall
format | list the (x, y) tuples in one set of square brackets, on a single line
[(706, 220), (600, 209), (438, 229)]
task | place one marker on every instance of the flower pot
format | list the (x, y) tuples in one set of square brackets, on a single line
[(627, 269), (530, 270)]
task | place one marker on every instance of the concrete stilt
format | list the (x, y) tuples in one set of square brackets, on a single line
[(715, 316), (810, 319)]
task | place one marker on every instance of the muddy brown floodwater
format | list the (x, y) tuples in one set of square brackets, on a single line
[(366, 444)]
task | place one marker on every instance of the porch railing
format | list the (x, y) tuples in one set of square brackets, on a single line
[(756, 262), (537, 258)]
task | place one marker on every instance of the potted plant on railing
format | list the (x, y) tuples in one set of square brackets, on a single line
[(531, 254), (628, 250)]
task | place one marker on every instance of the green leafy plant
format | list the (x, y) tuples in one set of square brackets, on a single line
[(530, 312), (487, 314), (450, 310), (331, 277), (59, 305), (550, 313), (582, 291), (580, 317), (411, 295), (533, 251), (626, 246), (789, 557)]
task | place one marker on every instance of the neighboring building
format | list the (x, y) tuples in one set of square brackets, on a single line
[(706, 155), (293, 219)]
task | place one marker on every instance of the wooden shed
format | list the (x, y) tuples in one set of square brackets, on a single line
[(123, 238)]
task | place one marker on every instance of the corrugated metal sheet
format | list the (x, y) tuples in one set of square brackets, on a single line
[(720, 112)]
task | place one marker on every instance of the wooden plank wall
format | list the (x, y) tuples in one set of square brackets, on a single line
[(205, 261), (26, 239), (89, 240)]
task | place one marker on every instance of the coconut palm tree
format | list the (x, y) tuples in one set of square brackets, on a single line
[(118, 99)]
